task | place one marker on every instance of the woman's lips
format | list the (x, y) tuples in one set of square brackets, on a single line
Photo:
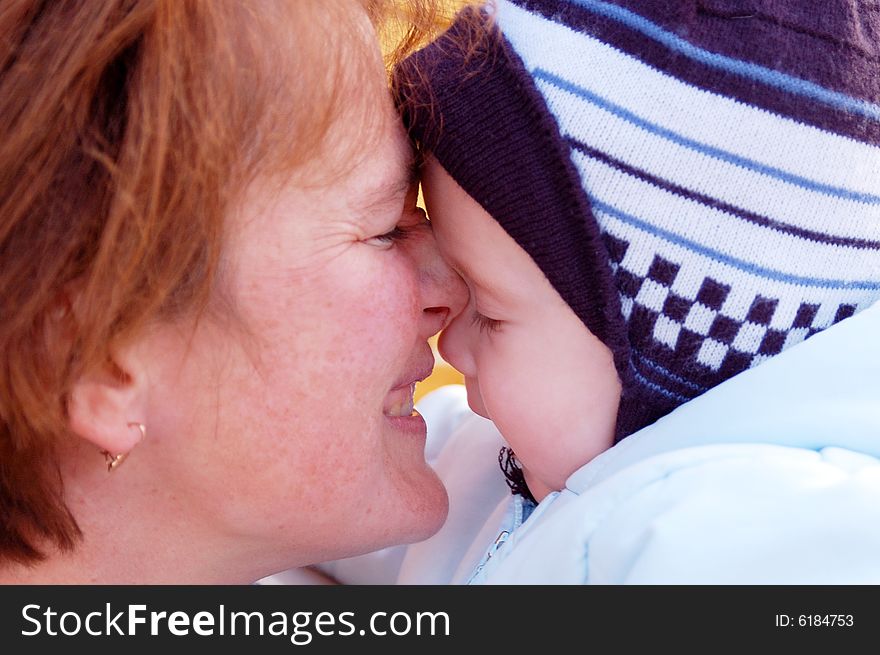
[(399, 401), (399, 412)]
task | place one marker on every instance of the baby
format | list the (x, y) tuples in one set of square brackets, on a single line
[(529, 362)]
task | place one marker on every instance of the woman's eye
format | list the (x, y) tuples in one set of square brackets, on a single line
[(484, 323), (395, 235), (412, 221)]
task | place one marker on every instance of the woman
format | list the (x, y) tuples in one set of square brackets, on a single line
[(216, 293)]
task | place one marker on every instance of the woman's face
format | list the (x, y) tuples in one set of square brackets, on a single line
[(288, 432)]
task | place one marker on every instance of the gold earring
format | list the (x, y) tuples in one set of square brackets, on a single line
[(113, 461), (141, 427)]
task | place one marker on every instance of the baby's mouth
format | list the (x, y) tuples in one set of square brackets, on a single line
[(399, 401)]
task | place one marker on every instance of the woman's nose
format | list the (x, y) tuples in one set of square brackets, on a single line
[(443, 293)]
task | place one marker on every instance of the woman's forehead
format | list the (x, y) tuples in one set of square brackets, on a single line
[(321, 76), (390, 175)]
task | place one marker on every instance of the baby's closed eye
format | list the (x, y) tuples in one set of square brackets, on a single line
[(484, 323)]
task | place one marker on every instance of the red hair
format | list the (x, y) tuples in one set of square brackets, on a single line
[(127, 130)]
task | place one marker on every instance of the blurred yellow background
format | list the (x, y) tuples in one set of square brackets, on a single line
[(443, 374)]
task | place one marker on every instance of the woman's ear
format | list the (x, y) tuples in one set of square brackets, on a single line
[(106, 405)]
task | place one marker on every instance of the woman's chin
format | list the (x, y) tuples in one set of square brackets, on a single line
[(436, 511), (425, 510)]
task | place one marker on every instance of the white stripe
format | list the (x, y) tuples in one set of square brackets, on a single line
[(701, 173), (693, 112), (723, 232)]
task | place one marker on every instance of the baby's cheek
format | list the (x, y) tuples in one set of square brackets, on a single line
[(512, 397)]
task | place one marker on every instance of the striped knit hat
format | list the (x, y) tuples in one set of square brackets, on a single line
[(698, 179)]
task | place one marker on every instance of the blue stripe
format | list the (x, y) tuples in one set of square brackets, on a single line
[(727, 259), (746, 69), (659, 369), (656, 387), (711, 151)]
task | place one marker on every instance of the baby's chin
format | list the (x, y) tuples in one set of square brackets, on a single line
[(478, 409), (475, 399), (538, 487)]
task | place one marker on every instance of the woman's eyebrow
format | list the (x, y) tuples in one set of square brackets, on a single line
[(391, 191)]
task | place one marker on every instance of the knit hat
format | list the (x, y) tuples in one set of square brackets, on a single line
[(698, 182)]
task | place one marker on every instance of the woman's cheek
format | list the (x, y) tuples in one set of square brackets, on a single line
[(381, 312), (401, 279)]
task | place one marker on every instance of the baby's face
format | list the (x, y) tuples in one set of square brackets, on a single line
[(529, 362)]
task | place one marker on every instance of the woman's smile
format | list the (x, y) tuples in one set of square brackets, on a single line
[(399, 401)]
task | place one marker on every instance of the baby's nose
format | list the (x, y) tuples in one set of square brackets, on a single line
[(454, 346)]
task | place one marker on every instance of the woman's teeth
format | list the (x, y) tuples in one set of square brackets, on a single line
[(400, 402)]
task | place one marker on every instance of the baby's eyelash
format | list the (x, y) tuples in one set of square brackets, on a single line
[(484, 323)]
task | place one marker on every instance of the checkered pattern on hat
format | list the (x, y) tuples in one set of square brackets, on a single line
[(691, 333)]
